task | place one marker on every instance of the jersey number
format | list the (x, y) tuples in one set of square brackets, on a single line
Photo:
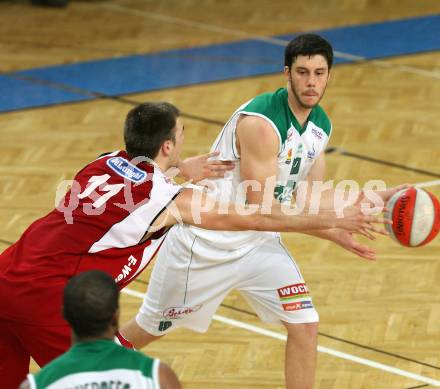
[(94, 183), (295, 166)]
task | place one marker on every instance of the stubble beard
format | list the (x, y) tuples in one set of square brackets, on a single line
[(298, 97)]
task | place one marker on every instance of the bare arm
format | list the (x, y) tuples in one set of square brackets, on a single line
[(258, 145), (198, 209)]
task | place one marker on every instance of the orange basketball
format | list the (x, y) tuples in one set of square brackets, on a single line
[(416, 217)]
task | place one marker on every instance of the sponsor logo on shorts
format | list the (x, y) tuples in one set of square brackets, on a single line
[(173, 313), (289, 291), (164, 325), (126, 169), (295, 297), (296, 306)]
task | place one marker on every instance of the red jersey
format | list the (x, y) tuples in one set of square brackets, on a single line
[(100, 224)]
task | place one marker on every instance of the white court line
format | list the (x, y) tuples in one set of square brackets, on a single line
[(427, 184), (325, 350), (274, 41)]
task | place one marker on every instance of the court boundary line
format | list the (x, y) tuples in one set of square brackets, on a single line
[(427, 184), (322, 349)]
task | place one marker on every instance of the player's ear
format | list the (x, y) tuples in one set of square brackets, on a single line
[(287, 72), (167, 147)]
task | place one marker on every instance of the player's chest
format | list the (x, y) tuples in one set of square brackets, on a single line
[(300, 149)]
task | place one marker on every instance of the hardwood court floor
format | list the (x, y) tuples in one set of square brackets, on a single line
[(387, 111)]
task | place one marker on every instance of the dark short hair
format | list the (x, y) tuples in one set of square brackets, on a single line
[(308, 44), (147, 126), (90, 302)]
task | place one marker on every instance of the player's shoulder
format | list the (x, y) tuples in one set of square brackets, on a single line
[(320, 118), (55, 368), (78, 360), (119, 164), (273, 108), (134, 359), (267, 104), (118, 168)]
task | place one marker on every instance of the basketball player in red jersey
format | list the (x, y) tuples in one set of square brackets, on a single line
[(114, 218)]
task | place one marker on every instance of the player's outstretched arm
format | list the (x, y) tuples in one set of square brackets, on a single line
[(194, 207)]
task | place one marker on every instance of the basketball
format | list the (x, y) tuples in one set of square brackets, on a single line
[(416, 217)]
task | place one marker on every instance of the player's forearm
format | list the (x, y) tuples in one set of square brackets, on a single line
[(328, 199), (327, 234), (287, 219)]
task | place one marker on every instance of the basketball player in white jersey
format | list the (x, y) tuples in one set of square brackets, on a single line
[(283, 135)]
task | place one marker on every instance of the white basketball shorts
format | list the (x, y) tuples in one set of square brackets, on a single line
[(191, 278)]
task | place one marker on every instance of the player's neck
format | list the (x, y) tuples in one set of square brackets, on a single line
[(161, 163), (107, 335)]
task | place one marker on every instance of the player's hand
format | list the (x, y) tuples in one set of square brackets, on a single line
[(346, 240), (384, 196), (388, 193), (358, 220), (200, 167)]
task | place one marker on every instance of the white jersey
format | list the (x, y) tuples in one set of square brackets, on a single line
[(298, 148)]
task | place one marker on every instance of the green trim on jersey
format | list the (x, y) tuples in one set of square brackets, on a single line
[(95, 356), (275, 108)]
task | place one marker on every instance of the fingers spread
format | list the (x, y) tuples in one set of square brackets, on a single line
[(377, 220), (377, 230), (363, 250)]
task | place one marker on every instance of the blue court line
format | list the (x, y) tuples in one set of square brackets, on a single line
[(174, 68)]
